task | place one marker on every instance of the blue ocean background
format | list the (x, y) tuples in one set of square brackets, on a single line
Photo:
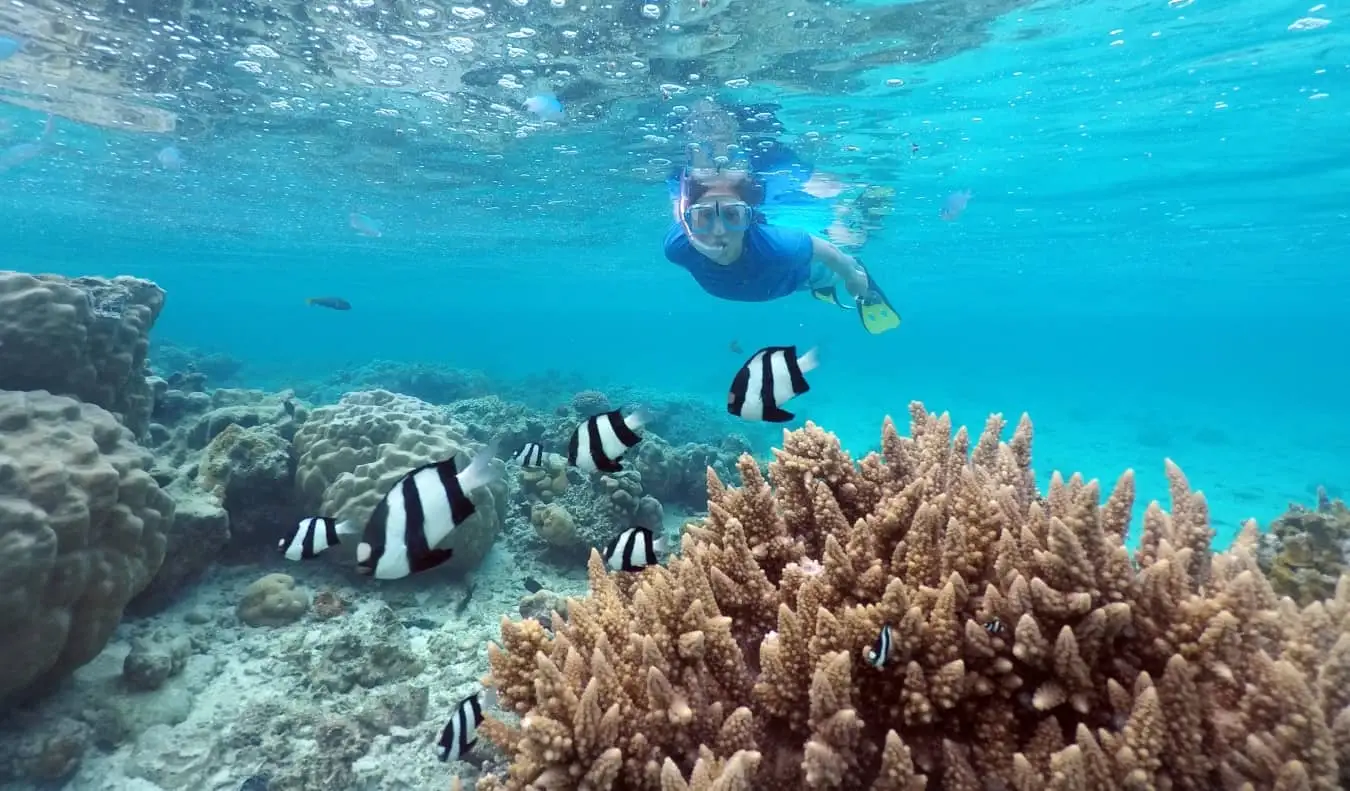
[(1153, 265)]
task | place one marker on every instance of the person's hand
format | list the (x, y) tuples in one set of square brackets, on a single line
[(857, 282)]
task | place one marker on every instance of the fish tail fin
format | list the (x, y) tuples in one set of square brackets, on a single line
[(309, 300), (480, 471), (659, 544), (810, 361), (638, 418), (348, 528)]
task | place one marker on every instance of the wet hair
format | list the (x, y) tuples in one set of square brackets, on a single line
[(749, 189)]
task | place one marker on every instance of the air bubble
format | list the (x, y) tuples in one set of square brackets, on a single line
[(651, 11), (739, 82)]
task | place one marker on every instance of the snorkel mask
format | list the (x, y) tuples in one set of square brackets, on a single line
[(736, 215)]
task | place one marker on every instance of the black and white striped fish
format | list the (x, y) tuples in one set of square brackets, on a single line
[(770, 378), (531, 454), (601, 440), (633, 550), (418, 512), (312, 535), (878, 654), (461, 732)]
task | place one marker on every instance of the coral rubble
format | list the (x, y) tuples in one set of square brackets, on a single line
[(1031, 649)]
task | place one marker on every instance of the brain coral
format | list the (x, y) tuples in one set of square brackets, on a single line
[(352, 452), (82, 530), (84, 337)]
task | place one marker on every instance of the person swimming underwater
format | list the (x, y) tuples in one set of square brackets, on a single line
[(722, 239)]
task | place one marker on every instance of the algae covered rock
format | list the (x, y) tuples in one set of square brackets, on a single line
[(250, 471), (272, 601), (150, 663), (351, 453), (1306, 550), (82, 531)]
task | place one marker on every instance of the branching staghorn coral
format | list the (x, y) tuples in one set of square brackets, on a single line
[(1031, 649)]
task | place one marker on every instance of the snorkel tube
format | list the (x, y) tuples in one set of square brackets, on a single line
[(682, 204)]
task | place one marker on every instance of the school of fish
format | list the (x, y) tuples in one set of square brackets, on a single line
[(420, 511)]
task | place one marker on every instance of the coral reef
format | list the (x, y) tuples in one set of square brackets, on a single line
[(436, 384), (570, 510), (185, 364), (225, 458), (678, 475), (200, 529), (489, 419), (1306, 551), (351, 453), (1031, 649), (82, 531), (81, 337), (272, 601)]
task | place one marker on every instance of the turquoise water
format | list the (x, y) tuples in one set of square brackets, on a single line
[(1153, 262)]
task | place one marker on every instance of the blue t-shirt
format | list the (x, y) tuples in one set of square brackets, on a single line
[(775, 263)]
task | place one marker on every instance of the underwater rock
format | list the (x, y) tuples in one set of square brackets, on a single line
[(351, 453), (59, 753), (149, 664), (272, 601), (251, 471), (82, 530), (201, 528), (81, 337), (181, 757)]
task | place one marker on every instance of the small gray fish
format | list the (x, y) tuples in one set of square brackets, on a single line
[(255, 783)]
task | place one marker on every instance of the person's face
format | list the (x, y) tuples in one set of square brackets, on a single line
[(719, 220)]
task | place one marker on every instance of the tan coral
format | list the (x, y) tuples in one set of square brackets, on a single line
[(554, 524), (1030, 649)]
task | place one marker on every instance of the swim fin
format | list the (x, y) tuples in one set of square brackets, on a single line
[(875, 310), (829, 295)]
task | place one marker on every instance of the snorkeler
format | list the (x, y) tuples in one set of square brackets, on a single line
[(722, 235), (723, 240)]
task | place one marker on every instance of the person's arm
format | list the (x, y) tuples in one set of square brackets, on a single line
[(842, 264)]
